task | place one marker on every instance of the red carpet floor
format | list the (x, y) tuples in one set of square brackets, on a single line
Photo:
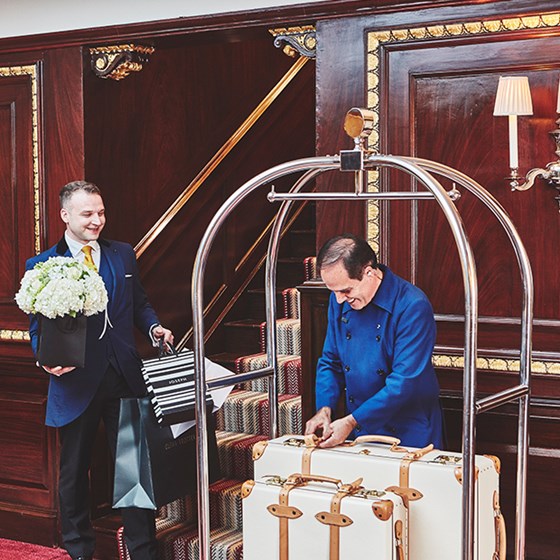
[(12, 550)]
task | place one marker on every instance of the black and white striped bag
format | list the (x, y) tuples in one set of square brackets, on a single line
[(170, 380)]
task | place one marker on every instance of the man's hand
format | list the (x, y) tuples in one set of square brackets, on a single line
[(56, 370), (339, 431), (161, 332), (320, 422)]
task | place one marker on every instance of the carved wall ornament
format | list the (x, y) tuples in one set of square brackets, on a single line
[(296, 40), (118, 61)]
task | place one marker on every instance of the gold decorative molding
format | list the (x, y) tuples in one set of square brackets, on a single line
[(118, 61), (495, 364), (22, 336), (32, 72), (296, 40), (375, 42)]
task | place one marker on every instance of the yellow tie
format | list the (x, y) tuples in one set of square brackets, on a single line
[(88, 259)]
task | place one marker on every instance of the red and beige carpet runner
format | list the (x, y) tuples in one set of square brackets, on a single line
[(15, 550)]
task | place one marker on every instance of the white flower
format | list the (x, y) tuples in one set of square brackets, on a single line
[(62, 286)]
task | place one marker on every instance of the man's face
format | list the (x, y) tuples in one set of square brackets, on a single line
[(358, 293), (84, 216)]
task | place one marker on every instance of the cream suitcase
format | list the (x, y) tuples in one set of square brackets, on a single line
[(428, 480), (305, 517)]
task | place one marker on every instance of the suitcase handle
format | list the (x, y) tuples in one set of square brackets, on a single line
[(393, 441), (302, 479)]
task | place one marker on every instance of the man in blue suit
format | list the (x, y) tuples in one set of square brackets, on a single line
[(80, 397), (378, 350)]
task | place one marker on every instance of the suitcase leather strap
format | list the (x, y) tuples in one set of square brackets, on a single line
[(285, 512), (500, 529), (335, 520), (407, 460)]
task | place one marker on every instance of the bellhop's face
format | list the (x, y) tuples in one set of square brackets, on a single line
[(84, 216), (357, 293)]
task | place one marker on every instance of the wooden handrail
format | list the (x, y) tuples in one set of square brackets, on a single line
[(226, 148)]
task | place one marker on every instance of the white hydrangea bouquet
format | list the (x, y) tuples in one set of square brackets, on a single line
[(62, 292), (62, 286)]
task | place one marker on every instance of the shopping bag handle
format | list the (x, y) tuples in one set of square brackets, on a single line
[(165, 348)]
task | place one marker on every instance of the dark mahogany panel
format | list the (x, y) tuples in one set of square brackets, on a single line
[(63, 129), (442, 110), (16, 190)]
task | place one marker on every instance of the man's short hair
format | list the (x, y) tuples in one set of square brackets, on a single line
[(70, 188), (353, 252)]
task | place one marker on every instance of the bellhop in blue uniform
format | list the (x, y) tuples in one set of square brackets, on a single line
[(377, 352), (382, 355)]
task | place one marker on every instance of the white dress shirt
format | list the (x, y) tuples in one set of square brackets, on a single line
[(76, 250)]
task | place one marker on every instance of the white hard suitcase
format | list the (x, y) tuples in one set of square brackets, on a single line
[(305, 517), (428, 480)]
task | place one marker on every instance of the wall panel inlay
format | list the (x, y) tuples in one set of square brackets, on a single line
[(19, 186)]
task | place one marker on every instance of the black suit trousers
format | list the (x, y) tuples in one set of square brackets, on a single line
[(77, 440)]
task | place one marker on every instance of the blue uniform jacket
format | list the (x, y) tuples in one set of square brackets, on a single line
[(70, 394), (382, 355)]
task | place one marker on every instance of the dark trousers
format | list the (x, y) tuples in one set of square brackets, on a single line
[(77, 440)]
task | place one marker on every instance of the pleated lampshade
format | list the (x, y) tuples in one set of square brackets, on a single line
[(513, 96)]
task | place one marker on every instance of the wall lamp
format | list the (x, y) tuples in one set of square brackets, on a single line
[(513, 99)]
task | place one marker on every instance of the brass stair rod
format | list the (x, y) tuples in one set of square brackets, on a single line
[(193, 186)]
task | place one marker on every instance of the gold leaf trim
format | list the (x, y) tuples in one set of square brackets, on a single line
[(6, 334), (495, 364), (375, 41), (31, 71)]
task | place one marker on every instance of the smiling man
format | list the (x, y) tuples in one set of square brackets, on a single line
[(80, 397), (378, 350)]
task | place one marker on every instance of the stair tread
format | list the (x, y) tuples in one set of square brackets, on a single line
[(244, 323)]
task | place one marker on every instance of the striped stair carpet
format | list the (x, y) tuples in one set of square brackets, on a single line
[(242, 421)]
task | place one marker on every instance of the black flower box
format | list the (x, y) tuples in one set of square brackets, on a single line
[(62, 341)]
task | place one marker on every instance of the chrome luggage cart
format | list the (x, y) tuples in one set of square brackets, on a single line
[(358, 125)]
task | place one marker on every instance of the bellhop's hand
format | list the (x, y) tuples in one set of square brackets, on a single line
[(320, 424), (339, 431)]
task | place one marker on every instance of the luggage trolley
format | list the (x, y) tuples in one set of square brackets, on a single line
[(358, 124)]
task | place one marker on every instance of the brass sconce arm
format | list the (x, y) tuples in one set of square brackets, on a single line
[(551, 173)]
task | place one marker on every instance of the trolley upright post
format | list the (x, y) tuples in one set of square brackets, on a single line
[(359, 160)]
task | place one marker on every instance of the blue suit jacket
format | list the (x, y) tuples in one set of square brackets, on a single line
[(70, 394)]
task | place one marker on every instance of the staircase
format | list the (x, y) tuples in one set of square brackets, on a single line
[(239, 344)]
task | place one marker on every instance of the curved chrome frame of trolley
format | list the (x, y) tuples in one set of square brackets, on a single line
[(358, 160)]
